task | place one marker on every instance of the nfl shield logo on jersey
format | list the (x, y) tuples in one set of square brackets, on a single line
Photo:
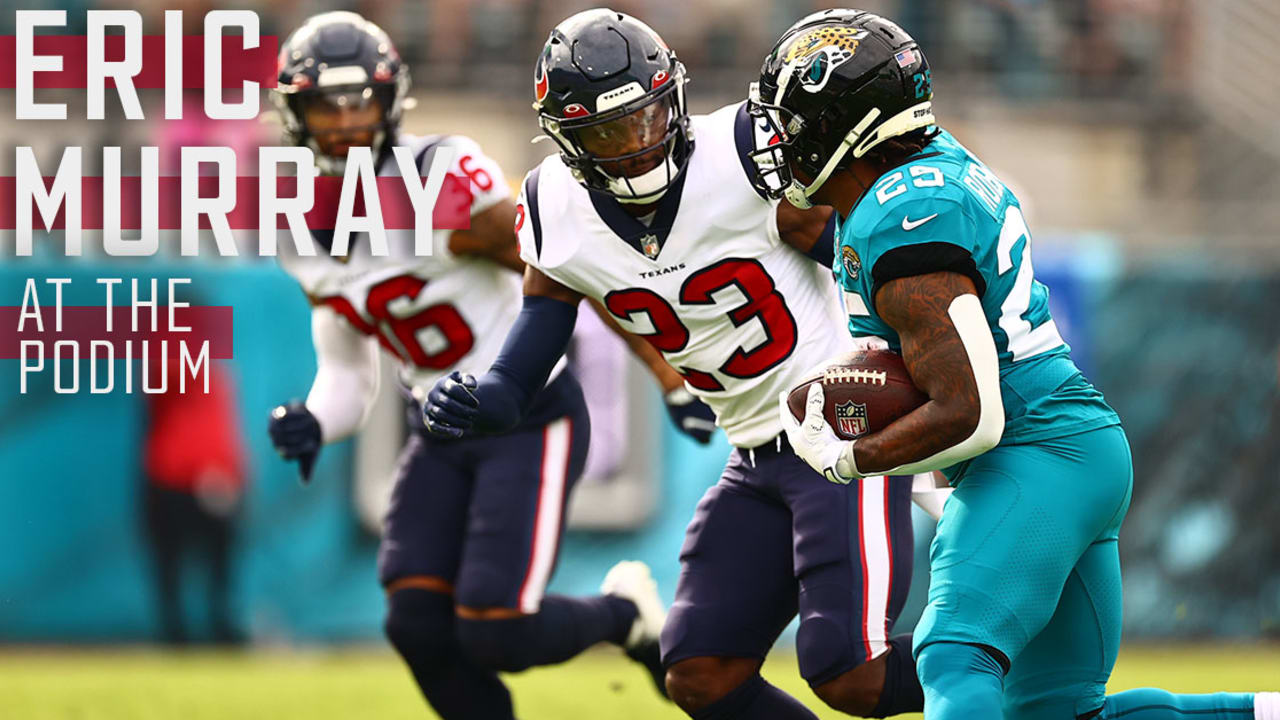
[(650, 244), (851, 419)]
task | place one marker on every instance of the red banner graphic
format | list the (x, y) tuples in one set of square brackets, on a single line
[(238, 64), (83, 324), (452, 210)]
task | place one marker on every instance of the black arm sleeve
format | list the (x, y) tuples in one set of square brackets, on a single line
[(533, 347), (922, 259)]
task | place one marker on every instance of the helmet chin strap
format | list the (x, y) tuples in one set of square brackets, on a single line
[(914, 117), (644, 188)]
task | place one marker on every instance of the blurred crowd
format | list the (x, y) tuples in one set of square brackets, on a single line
[(1035, 47), (1026, 47)]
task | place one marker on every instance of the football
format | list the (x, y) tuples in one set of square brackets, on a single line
[(865, 390)]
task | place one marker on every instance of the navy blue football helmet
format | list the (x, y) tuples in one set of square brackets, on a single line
[(342, 60), (610, 93)]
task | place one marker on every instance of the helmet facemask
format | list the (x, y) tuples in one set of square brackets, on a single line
[(774, 174), (633, 151), (786, 145)]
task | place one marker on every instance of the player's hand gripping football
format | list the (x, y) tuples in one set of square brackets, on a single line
[(691, 415), (815, 442), (296, 435), (451, 407)]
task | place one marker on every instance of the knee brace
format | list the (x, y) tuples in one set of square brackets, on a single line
[(420, 626)]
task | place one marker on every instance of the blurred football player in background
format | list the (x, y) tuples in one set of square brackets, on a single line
[(1024, 612), (474, 526), (734, 289)]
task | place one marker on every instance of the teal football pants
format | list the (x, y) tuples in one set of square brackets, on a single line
[(1025, 562)]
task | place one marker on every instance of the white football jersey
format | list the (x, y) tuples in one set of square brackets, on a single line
[(434, 313), (708, 281)]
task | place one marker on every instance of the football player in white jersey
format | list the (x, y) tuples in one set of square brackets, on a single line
[(736, 292), (473, 530)]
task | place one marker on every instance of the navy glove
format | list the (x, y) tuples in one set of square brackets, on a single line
[(413, 415), (692, 416), (451, 408), (295, 433)]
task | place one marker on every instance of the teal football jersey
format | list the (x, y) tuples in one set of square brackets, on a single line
[(946, 199)]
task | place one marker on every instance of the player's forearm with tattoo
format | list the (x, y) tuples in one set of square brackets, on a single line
[(950, 355)]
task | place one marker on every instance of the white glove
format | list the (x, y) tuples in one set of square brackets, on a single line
[(815, 442)]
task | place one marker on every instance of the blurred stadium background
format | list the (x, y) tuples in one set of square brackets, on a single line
[(1141, 136)]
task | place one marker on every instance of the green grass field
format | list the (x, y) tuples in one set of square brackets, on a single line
[(38, 684)]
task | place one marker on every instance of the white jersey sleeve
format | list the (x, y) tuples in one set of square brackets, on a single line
[(529, 219), (545, 238), (346, 381)]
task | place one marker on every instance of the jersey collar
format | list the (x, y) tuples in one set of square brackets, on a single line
[(648, 240), (924, 153)]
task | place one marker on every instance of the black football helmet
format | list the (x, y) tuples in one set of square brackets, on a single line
[(342, 59), (606, 77), (837, 83)]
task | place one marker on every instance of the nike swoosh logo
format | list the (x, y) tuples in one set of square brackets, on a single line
[(909, 224)]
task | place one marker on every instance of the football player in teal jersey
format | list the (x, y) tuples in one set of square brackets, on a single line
[(934, 257)]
